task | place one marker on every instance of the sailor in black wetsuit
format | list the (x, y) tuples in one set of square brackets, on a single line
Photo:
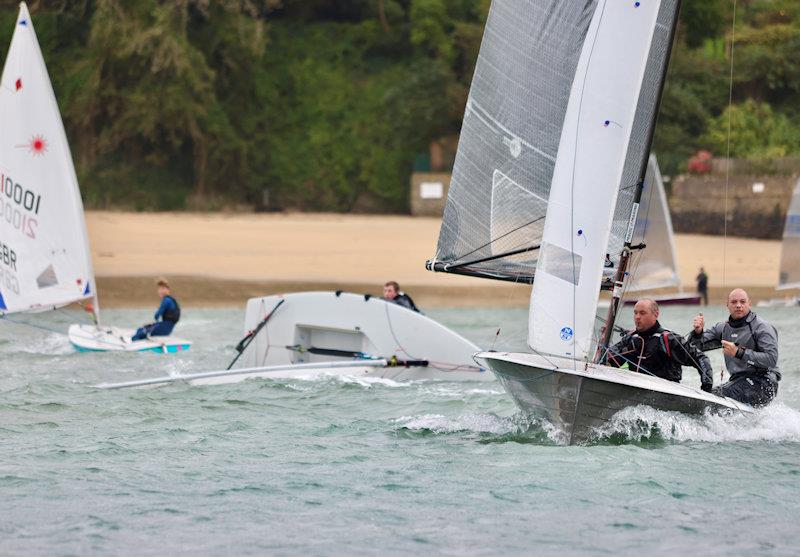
[(392, 293), (750, 345), (656, 351), (169, 312)]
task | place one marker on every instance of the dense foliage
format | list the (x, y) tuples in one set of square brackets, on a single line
[(323, 104)]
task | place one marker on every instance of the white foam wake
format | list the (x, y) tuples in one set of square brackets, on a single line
[(775, 423)]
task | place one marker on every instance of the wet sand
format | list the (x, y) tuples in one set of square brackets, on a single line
[(215, 259)]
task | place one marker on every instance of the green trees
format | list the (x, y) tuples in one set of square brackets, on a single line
[(324, 103)]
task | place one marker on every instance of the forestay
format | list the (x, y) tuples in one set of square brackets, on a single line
[(602, 156), (494, 216), (656, 266), (790, 248), (45, 260)]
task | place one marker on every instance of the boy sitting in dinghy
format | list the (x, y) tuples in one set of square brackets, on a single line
[(169, 312), (656, 351)]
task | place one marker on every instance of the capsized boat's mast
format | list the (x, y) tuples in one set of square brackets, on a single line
[(625, 255)]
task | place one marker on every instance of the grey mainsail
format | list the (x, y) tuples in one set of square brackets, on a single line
[(494, 216), (790, 247)]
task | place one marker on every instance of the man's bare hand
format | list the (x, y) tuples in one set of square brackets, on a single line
[(699, 323), (729, 348)]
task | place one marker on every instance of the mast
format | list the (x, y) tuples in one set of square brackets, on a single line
[(619, 279)]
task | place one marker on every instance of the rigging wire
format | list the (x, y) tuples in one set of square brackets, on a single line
[(728, 152)]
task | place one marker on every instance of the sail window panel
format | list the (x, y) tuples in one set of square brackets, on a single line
[(643, 124), (561, 263), (510, 135)]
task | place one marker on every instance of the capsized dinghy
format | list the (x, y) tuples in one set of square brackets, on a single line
[(45, 260), (320, 334), (547, 179)]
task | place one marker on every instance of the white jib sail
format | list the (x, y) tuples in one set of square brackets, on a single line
[(588, 170), (657, 265), (790, 247), (45, 260)]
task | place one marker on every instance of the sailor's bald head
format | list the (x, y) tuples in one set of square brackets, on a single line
[(738, 303), (645, 314)]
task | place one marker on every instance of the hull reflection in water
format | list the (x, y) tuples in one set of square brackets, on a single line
[(579, 401)]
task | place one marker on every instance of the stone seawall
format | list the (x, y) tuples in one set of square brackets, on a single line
[(756, 205)]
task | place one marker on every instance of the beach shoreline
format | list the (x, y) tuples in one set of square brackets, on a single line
[(222, 259)]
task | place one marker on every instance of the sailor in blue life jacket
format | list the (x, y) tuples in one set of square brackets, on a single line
[(653, 350), (169, 312), (392, 293), (750, 345)]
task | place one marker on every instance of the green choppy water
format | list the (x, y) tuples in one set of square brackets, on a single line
[(348, 466)]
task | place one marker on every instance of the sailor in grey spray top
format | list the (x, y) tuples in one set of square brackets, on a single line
[(750, 345)]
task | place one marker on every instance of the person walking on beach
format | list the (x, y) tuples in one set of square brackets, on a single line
[(169, 312), (750, 345), (702, 285), (653, 350), (392, 293)]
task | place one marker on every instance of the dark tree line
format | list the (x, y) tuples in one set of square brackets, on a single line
[(324, 104)]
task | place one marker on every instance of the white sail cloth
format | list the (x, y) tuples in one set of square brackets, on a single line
[(44, 252), (588, 170)]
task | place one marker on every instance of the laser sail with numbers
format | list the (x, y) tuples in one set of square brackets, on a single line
[(45, 262)]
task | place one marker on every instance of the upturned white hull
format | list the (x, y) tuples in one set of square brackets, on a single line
[(88, 338), (578, 397)]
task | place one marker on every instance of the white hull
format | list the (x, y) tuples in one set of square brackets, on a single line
[(578, 401), (88, 338), (348, 327)]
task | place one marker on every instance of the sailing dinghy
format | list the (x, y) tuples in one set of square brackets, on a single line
[(45, 261), (548, 178), (789, 275)]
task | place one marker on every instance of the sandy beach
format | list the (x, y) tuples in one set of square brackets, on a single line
[(218, 259)]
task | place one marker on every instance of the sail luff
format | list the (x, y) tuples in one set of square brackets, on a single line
[(591, 159)]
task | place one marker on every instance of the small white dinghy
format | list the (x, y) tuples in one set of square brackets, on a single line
[(45, 260), (91, 338), (317, 334)]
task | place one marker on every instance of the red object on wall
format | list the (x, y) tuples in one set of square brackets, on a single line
[(700, 162)]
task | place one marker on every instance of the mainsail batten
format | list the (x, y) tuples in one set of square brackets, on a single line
[(790, 247), (46, 261), (591, 160)]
